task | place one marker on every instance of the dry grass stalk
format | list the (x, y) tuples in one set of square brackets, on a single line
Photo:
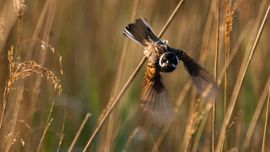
[(49, 121), (60, 141), (170, 19), (256, 115), (43, 135), (266, 120), (87, 116), (239, 81), (215, 74), (62, 135), (206, 35), (131, 78)]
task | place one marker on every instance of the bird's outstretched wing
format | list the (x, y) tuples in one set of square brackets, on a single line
[(200, 77)]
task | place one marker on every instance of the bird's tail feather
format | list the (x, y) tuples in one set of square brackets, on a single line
[(140, 32)]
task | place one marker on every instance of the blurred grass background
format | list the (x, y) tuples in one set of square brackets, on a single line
[(88, 35)]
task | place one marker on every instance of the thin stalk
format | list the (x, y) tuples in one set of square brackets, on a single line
[(62, 135), (43, 135), (199, 133), (19, 33), (266, 120), (79, 132), (256, 115), (49, 121), (215, 76), (161, 137), (63, 127)]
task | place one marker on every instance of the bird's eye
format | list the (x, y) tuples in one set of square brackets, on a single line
[(168, 62)]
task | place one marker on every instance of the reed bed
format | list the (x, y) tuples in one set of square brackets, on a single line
[(70, 81)]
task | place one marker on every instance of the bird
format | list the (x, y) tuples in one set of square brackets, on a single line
[(161, 57)]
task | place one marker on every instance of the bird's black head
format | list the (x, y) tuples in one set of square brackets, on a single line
[(168, 62)]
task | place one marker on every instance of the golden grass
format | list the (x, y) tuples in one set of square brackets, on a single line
[(239, 81), (19, 70), (22, 70), (99, 77)]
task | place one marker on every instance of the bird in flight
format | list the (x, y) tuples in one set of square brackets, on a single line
[(163, 58)]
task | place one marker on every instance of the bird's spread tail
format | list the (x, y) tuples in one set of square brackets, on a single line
[(140, 32)]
